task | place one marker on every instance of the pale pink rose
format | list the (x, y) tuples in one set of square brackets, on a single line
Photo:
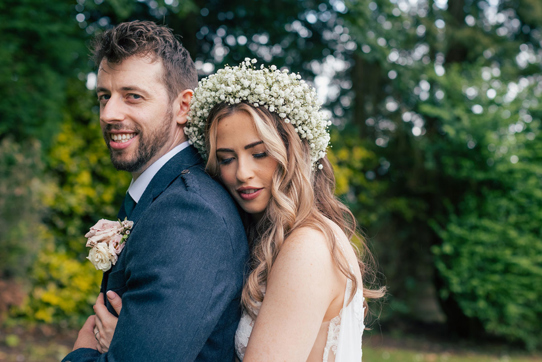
[(104, 235), (117, 244), (102, 225), (100, 256)]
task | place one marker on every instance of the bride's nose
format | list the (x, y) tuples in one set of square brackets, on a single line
[(245, 170)]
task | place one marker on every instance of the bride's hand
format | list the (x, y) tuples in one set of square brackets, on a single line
[(105, 321)]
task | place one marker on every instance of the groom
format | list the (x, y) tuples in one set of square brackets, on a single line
[(180, 274)]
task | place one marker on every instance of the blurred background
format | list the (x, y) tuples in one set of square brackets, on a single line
[(436, 145)]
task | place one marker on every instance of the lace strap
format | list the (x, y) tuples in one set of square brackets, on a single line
[(333, 333)]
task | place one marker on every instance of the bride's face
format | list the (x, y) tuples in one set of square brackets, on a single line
[(246, 169)]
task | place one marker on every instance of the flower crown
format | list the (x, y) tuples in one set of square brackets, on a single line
[(285, 94)]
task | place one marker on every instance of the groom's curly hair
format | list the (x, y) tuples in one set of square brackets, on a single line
[(146, 38)]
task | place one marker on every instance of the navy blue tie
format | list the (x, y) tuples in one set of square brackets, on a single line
[(129, 205)]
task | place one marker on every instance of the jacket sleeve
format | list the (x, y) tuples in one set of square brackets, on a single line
[(184, 278)]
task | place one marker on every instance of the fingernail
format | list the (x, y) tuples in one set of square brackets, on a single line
[(111, 295)]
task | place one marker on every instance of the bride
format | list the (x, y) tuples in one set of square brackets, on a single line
[(265, 138)]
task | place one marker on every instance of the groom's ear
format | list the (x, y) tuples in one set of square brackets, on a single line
[(181, 106)]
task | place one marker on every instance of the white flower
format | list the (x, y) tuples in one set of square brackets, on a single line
[(102, 257), (280, 92)]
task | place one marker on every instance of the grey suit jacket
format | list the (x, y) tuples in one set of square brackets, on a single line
[(181, 272)]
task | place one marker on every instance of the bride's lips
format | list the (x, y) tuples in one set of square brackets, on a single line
[(249, 193), (121, 140)]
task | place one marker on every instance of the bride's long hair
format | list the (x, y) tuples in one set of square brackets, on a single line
[(300, 197)]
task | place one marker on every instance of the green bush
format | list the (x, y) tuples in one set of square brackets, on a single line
[(64, 288), (21, 172), (490, 258)]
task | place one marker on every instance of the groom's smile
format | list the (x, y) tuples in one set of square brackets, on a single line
[(121, 140)]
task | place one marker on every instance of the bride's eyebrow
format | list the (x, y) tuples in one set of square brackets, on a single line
[(253, 145), (224, 150)]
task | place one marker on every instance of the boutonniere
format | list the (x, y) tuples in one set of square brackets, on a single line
[(106, 240)]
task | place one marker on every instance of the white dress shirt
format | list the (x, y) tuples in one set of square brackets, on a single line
[(137, 187)]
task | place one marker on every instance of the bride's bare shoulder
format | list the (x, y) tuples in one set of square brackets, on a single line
[(308, 240), (304, 268), (313, 235), (305, 242), (315, 244), (312, 243)]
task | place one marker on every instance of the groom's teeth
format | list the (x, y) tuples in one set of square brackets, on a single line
[(121, 138)]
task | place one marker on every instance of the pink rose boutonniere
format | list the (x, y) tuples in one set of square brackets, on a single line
[(106, 240)]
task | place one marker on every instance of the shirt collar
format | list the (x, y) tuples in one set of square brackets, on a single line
[(137, 187)]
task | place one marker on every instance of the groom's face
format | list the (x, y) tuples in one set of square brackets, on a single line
[(136, 115)]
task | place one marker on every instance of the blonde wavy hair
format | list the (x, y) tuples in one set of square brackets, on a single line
[(300, 197)]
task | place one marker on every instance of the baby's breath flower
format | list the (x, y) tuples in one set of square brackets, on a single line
[(279, 91)]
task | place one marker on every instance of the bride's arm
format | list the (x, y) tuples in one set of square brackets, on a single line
[(300, 288)]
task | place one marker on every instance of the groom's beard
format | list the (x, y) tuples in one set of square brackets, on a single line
[(148, 144)]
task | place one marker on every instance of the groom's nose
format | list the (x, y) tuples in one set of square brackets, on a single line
[(113, 110)]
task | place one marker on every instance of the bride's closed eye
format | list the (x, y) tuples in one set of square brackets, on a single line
[(225, 161)]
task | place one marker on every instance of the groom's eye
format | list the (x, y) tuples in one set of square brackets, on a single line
[(103, 97), (134, 96)]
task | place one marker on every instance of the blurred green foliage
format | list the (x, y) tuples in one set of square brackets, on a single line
[(58, 179), (436, 148), (22, 186), (489, 256), (40, 52), (446, 93)]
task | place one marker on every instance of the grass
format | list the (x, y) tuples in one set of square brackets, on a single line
[(433, 348), (371, 354), (34, 353), (35, 345)]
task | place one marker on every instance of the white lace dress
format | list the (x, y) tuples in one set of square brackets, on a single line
[(343, 335)]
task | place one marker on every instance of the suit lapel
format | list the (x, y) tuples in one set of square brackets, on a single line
[(168, 173)]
